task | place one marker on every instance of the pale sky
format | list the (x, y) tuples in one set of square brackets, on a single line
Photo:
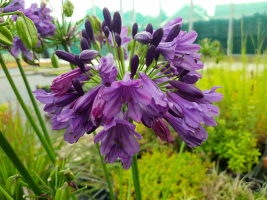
[(146, 7)]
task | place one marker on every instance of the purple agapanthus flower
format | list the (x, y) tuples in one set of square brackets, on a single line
[(118, 141), (18, 46), (149, 91)]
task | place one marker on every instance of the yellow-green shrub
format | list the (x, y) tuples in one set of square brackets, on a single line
[(155, 170)]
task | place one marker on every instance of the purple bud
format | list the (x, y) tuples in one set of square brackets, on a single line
[(103, 25), (107, 18), (187, 89), (78, 86), (150, 55), (84, 44), (118, 40), (69, 57), (88, 55), (149, 28), (134, 64), (173, 33), (89, 30), (66, 99), (162, 130), (85, 35), (80, 63), (157, 36), (157, 53), (176, 111), (117, 23), (143, 37), (183, 73), (134, 29), (106, 31)]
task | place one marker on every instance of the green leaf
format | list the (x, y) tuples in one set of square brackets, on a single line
[(6, 37), (12, 184)]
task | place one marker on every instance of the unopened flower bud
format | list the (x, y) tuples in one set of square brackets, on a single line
[(118, 40), (162, 130), (134, 29), (106, 31), (78, 86), (187, 89), (157, 53), (80, 63), (84, 44), (149, 28), (63, 193), (117, 23), (107, 18), (54, 61), (103, 25), (66, 99), (12, 184), (85, 35), (134, 64), (69, 57), (173, 33), (66, 173), (143, 37), (6, 37), (157, 36), (88, 55), (89, 30), (150, 55)]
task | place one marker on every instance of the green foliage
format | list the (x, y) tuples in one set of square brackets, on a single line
[(237, 146), (155, 171), (211, 49)]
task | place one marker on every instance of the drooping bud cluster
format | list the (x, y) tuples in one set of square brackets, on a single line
[(149, 91)]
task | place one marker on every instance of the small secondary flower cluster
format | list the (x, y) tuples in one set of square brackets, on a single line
[(41, 19), (149, 91)]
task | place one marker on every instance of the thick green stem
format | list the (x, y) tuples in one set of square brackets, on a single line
[(122, 59), (136, 179), (10, 13), (132, 52), (174, 170), (28, 114), (120, 182), (38, 113), (129, 186), (18, 164), (105, 171), (4, 24), (67, 50), (5, 194)]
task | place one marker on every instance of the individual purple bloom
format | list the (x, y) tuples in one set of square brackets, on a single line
[(124, 39), (168, 27), (134, 29), (162, 130), (117, 23), (13, 6), (118, 141), (97, 108), (126, 91), (159, 104), (45, 28), (69, 57), (157, 36), (17, 46), (187, 89), (134, 64), (143, 37), (107, 69), (66, 99), (63, 82), (167, 49), (150, 55), (191, 138)]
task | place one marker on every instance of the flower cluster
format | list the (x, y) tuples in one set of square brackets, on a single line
[(41, 19), (149, 91)]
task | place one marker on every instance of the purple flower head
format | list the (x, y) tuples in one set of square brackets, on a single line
[(134, 64), (118, 141), (69, 57), (18, 46), (143, 37), (117, 23), (187, 89), (126, 91), (157, 36), (107, 69), (13, 6), (134, 29), (162, 130), (149, 28), (63, 82), (150, 55), (124, 39), (191, 138)]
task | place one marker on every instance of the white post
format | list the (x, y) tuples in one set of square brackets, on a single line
[(133, 14), (190, 28), (160, 13), (94, 12), (121, 12), (230, 29)]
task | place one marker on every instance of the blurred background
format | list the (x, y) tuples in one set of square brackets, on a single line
[(231, 164)]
